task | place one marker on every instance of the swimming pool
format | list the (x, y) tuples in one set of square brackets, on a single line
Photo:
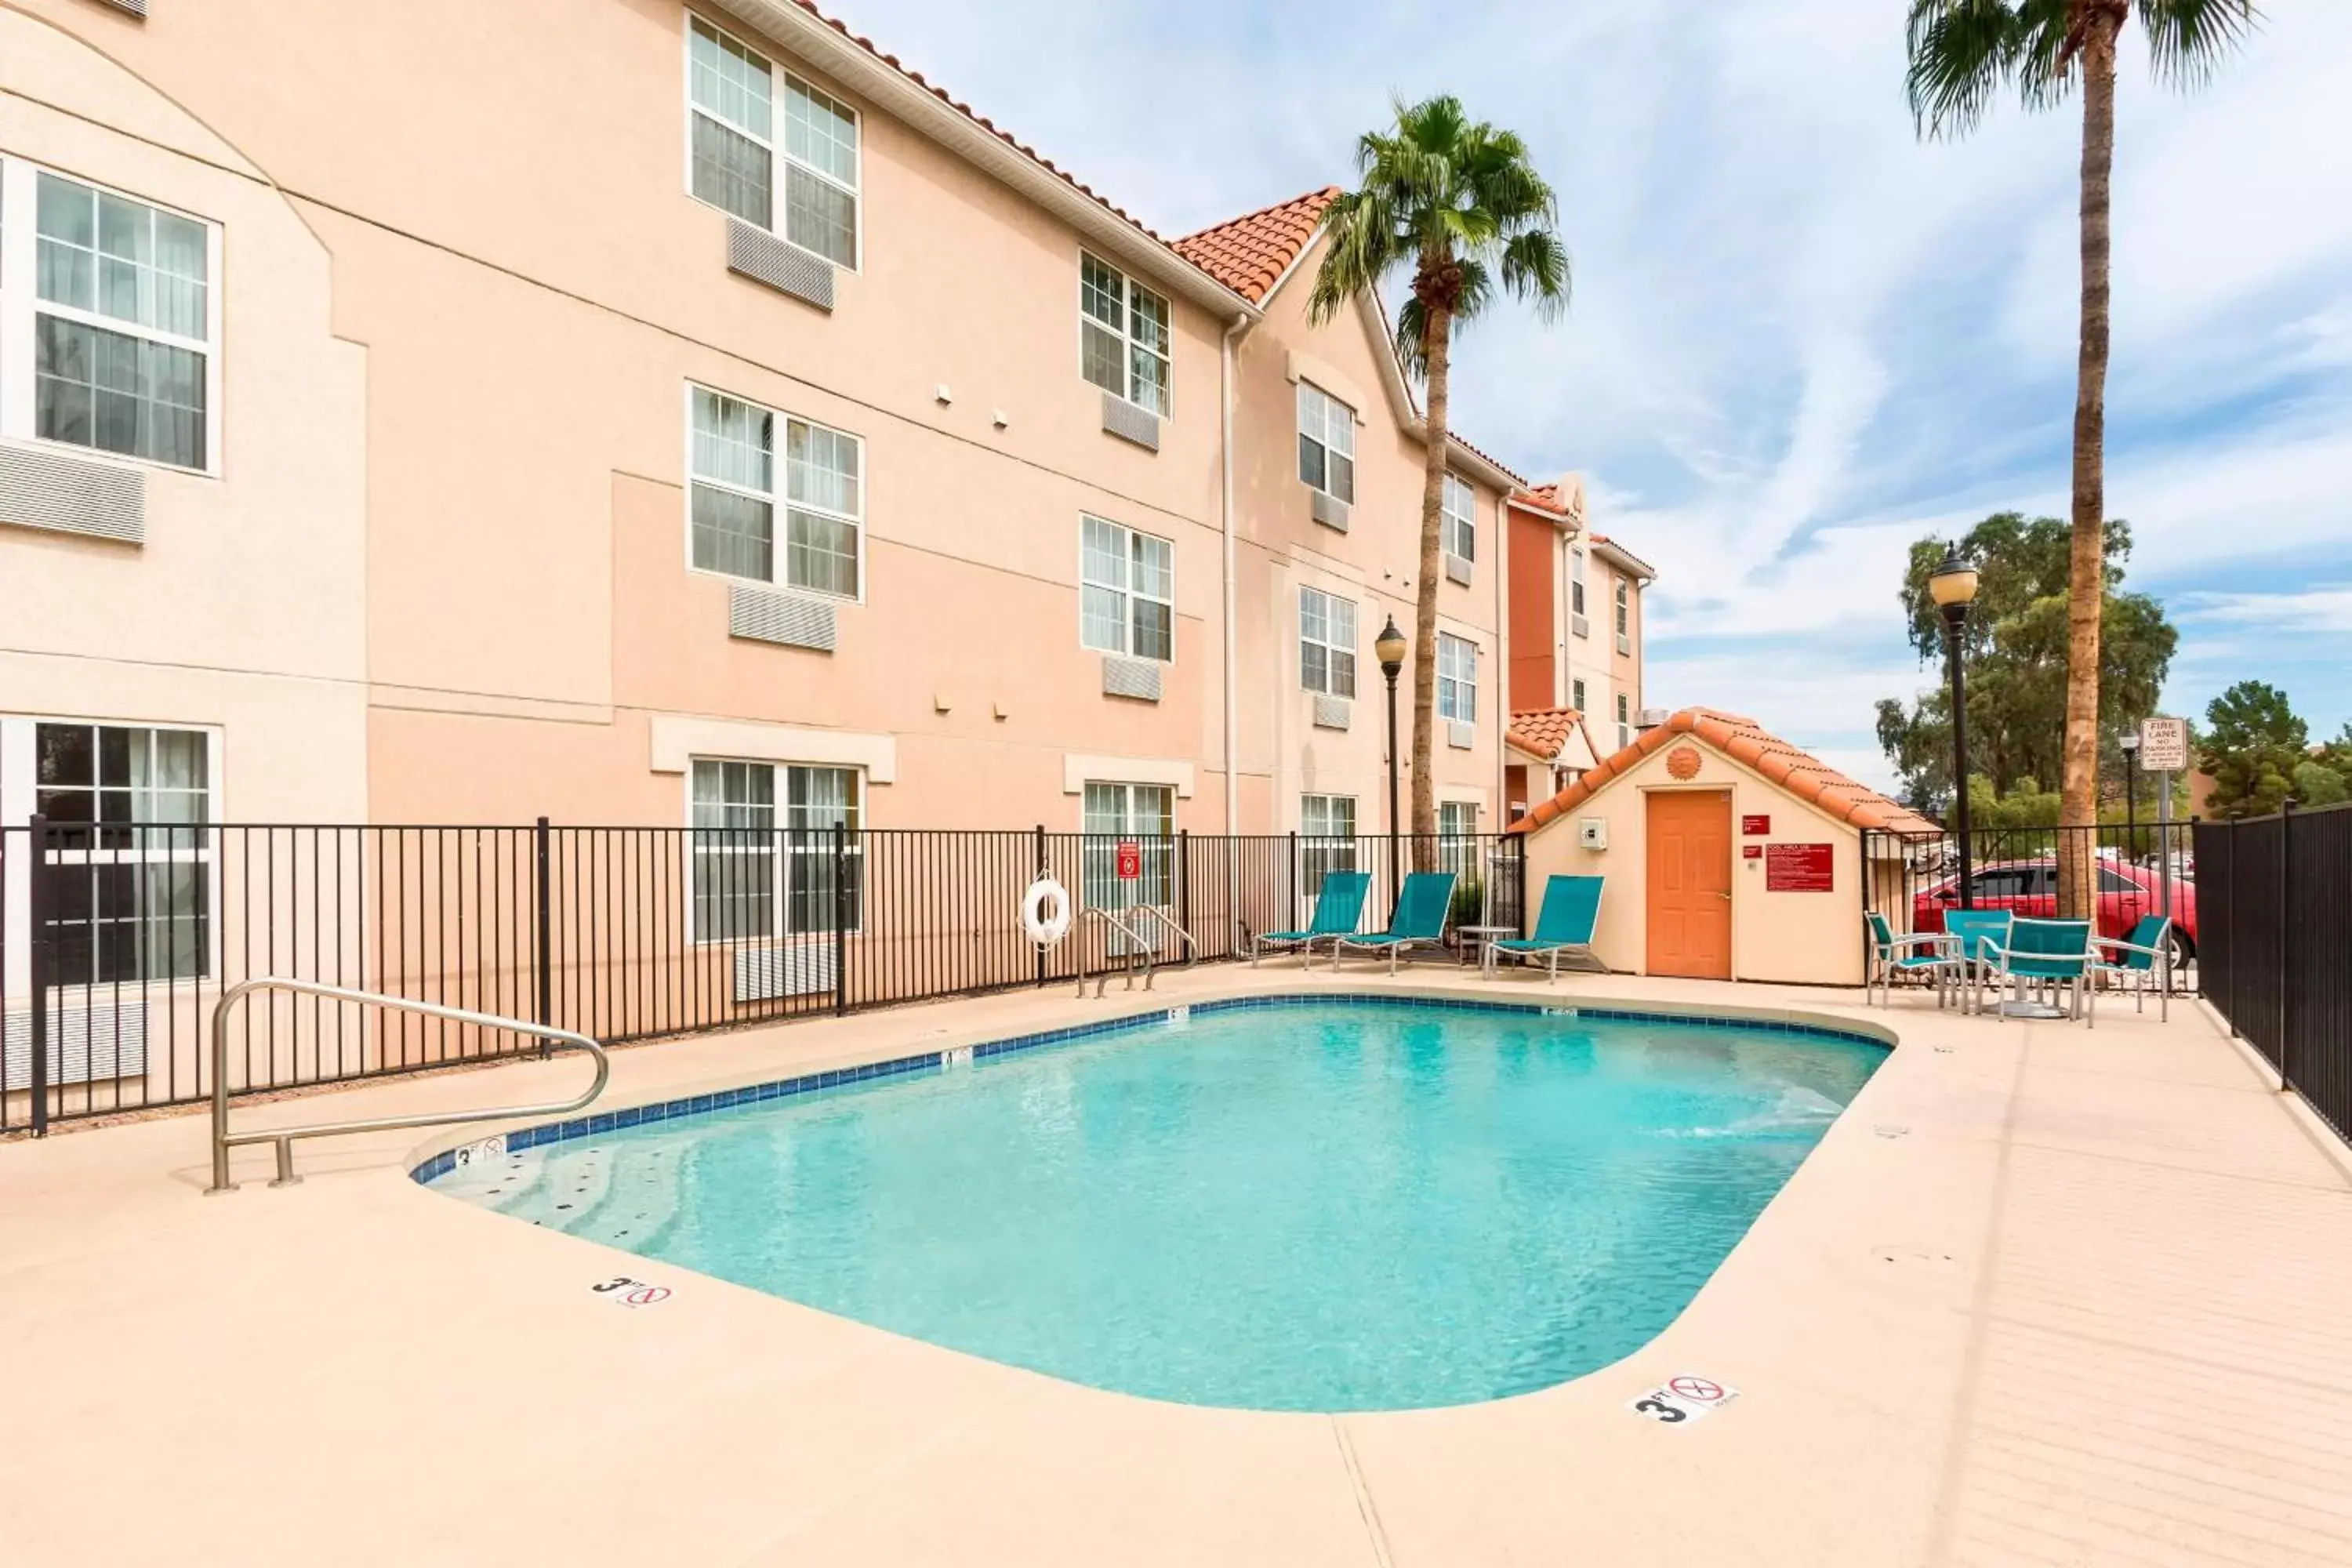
[(1333, 1203)]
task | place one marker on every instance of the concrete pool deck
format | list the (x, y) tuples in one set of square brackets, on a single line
[(2043, 1294)]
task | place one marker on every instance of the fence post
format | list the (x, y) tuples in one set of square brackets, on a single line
[(38, 842), (2285, 939), (1290, 873), (542, 960), (1039, 872), (840, 924), (1184, 884), (2230, 914)]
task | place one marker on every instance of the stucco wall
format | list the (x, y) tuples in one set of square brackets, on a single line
[(1800, 938), (243, 611)]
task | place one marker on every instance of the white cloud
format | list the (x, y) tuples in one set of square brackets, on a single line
[(2325, 611)]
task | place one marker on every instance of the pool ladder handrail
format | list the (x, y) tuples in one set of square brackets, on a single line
[(1143, 946), (224, 1140)]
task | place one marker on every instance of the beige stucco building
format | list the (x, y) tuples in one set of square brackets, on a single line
[(709, 412)]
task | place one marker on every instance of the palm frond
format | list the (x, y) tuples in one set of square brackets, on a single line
[(2187, 38), (1961, 52), (1412, 325), (1535, 267)]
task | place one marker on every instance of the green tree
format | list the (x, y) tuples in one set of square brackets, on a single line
[(2016, 648), (2252, 746), (1458, 205), (1962, 53)]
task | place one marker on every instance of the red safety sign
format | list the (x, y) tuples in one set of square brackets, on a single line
[(1130, 861), (1697, 1388), (631, 1292)]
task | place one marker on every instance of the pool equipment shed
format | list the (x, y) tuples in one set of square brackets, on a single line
[(1729, 854)]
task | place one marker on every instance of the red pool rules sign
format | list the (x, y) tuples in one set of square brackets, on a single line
[(1130, 861), (1799, 868)]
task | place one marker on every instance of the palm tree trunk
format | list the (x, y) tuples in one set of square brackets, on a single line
[(2078, 803), (1436, 335)]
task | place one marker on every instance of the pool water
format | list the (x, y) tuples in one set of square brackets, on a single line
[(1329, 1206)]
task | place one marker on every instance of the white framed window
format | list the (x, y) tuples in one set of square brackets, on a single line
[(1458, 521), (1624, 720), (1327, 838), (1126, 591), (132, 896), (1327, 443), (1143, 815), (732, 147), (733, 497), (1624, 616), (1124, 345), (1576, 696), (1457, 818), (1576, 590), (760, 871), (1457, 677), (1327, 643), (110, 321)]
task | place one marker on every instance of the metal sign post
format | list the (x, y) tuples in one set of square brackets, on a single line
[(2164, 751)]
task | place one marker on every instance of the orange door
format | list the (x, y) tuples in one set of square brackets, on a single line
[(1690, 883)]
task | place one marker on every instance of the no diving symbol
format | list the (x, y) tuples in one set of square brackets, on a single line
[(631, 1292), (1682, 1399), (1696, 1388)]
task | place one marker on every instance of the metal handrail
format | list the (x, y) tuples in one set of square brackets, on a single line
[(1191, 948), (224, 1140), (1142, 950)]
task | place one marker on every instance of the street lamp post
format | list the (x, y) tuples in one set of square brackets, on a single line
[(1389, 650), (2130, 741), (1953, 586)]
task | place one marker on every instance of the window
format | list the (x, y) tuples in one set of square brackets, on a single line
[(1327, 838), (1457, 820), (1576, 588), (132, 889), (1624, 720), (748, 865), (116, 321), (733, 501), (1327, 443), (1624, 616), (1144, 814), (1327, 643), (1458, 525), (731, 132), (1123, 344), (2112, 882), (1127, 594), (1576, 696), (1457, 677)]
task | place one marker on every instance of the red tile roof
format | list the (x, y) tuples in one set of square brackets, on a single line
[(1542, 732), (1747, 743), (1546, 497), (1250, 254)]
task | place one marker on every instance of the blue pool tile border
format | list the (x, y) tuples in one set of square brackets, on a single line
[(604, 1122)]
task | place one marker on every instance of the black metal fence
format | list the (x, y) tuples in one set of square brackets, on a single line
[(117, 940), (2278, 953), (2128, 872)]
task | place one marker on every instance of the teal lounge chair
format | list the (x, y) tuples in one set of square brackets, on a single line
[(2145, 957), (2047, 954), (1338, 909), (1971, 931), (1572, 907), (1419, 919), (1925, 953)]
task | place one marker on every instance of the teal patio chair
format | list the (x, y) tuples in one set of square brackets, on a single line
[(2145, 957), (1339, 911), (1971, 931), (2047, 954), (1891, 957), (1419, 919), (1572, 907)]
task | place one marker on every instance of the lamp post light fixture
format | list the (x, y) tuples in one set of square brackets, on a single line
[(1953, 586), (2128, 743), (1389, 650)]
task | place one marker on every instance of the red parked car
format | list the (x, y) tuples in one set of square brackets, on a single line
[(2031, 888)]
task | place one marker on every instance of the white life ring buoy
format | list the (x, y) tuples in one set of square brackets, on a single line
[(1045, 911)]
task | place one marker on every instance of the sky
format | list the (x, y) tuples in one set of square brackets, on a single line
[(1801, 338)]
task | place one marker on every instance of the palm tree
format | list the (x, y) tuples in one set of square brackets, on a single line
[(1962, 52), (1461, 205)]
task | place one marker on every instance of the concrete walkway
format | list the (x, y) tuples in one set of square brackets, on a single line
[(2042, 1295)]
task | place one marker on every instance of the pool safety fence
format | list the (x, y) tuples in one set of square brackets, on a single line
[(2277, 956), (117, 938)]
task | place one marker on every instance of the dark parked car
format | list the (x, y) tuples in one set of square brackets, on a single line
[(2031, 888)]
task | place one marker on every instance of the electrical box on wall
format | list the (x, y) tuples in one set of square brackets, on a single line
[(1592, 833)]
